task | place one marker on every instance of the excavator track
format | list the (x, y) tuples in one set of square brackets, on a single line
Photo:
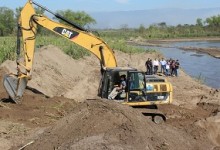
[(152, 112)]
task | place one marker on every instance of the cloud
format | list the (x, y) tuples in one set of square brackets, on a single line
[(122, 1)]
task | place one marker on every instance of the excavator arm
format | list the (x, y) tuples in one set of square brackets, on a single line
[(28, 23)]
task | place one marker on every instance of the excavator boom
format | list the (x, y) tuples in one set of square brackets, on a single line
[(15, 84)]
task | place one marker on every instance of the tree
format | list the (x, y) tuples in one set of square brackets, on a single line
[(39, 10), (18, 12), (199, 22), (213, 21), (80, 18), (7, 21), (162, 25), (141, 28), (124, 27)]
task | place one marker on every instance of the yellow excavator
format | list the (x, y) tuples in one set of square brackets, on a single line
[(141, 89)]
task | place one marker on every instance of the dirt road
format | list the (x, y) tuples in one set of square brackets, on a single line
[(62, 117)]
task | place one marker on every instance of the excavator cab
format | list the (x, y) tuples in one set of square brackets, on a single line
[(141, 89), (111, 78)]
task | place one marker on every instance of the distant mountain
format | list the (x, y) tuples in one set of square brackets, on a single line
[(147, 17)]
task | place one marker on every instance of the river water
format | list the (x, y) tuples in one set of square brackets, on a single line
[(197, 65), (199, 44)]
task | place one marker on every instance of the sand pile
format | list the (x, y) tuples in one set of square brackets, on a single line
[(56, 74), (99, 124)]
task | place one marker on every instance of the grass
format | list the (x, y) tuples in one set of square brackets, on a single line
[(121, 45), (8, 46), (200, 78)]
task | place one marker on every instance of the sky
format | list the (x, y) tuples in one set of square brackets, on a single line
[(114, 5)]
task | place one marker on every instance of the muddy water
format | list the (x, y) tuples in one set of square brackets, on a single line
[(197, 65)]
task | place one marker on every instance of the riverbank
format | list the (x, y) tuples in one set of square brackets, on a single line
[(75, 118), (214, 52)]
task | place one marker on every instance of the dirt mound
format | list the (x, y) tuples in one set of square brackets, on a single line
[(188, 92), (57, 74), (20, 122), (212, 124), (102, 124)]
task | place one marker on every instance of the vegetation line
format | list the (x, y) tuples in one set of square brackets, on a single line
[(116, 38)]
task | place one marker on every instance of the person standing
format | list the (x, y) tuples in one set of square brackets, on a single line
[(167, 68), (155, 65), (148, 66), (151, 67), (177, 64), (172, 67), (163, 65)]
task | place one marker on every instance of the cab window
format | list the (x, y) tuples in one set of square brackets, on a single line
[(136, 81)]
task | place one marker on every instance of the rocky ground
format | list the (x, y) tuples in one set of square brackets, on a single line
[(60, 110)]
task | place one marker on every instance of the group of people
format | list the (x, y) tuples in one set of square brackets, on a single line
[(167, 67)]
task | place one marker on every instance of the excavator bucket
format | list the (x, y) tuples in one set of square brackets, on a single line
[(15, 86)]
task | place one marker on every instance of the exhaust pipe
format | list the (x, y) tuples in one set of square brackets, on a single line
[(15, 86)]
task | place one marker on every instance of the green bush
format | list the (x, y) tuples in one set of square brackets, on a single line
[(7, 48)]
